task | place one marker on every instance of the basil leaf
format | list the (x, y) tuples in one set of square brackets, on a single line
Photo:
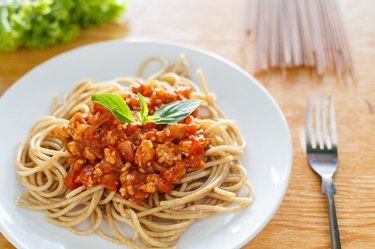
[(168, 114), (116, 105), (176, 111), (144, 109), (151, 118)]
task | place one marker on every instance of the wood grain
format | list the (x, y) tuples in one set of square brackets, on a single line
[(218, 25)]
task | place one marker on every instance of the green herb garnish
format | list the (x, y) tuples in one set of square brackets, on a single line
[(116, 105), (143, 114), (171, 113), (176, 111)]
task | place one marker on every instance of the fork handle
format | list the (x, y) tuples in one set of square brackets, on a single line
[(329, 189)]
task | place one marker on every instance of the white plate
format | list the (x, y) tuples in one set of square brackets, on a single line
[(268, 154)]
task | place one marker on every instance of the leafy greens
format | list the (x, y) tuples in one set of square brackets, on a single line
[(170, 113), (42, 23)]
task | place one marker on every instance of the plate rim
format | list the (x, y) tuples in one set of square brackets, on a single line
[(249, 236)]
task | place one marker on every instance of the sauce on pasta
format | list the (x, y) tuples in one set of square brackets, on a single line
[(134, 160)]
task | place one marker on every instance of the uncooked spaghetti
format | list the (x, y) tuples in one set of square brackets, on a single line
[(292, 33), (158, 218)]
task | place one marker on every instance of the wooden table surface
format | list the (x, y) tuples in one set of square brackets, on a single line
[(218, 25)]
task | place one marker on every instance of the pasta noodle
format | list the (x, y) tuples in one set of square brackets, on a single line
[(293, 33), (42, 166)]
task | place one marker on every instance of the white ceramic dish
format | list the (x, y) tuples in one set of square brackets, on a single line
[(268, 154)]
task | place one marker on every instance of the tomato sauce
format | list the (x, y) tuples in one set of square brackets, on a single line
[(126, 157)]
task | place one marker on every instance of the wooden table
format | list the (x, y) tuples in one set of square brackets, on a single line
[(218, 25)]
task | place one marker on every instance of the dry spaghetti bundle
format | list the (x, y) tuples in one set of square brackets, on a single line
[(292, 33)]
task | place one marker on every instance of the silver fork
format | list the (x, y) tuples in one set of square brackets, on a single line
[(321, 147)]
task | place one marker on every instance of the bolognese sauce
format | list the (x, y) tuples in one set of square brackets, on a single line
[(129, 158)]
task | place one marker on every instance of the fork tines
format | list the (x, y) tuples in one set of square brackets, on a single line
[(319, 135)]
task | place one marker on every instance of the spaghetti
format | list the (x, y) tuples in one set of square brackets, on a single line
[(158, 222), (293, 33)]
